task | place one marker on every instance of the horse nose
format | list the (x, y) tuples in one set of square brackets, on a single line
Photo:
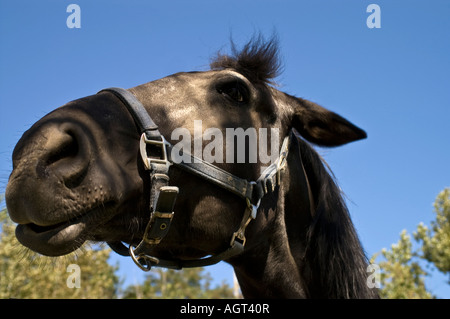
[(65, 154), (49, 158)]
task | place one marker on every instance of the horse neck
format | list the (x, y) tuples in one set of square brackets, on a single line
[(272, 263), (291, 254)]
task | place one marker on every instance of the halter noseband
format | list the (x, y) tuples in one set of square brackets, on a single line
[(163, 197)]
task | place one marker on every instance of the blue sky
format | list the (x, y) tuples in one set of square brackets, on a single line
[(393, 82)]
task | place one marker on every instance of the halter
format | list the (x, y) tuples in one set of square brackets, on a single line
[(155, 154)]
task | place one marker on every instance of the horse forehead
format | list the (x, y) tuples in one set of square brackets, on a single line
[(183, 96), (184, 92), (196, 79)]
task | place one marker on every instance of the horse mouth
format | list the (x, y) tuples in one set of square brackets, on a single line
[(61, 238)]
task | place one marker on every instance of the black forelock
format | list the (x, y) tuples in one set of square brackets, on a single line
[(258, 60)]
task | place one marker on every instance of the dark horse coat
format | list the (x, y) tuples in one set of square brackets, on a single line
[(77, 177)]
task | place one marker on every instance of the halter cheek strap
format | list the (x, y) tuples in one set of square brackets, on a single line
[(163, 196)]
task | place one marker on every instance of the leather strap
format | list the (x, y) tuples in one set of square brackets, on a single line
[(265, 184), (162, 215), (218, 176), (162, 196), (143, 121)]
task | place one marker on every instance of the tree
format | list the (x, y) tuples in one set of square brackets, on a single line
[(25, 274), (401, 273), (436, 240), (401, 277), (189, 283)]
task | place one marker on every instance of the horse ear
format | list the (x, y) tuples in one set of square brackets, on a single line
[(323, 127)]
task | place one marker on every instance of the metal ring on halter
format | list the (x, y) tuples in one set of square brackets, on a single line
[(149, 260)]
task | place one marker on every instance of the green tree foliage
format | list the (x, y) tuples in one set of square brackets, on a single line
[(189, 283), (25, 274), (401, 277), (436, 239), (401, 273)]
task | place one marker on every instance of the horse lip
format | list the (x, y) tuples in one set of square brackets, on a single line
[(56, 241), (61, 238)]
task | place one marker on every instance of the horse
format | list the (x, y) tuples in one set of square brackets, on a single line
[(102, 168)]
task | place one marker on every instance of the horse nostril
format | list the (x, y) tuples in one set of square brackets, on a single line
[(65, 157), (67, 149)]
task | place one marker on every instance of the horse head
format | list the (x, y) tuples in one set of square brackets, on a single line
[(78, 175)]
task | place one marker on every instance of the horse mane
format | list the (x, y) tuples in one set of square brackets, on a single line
[(335, 265), (258, 60)]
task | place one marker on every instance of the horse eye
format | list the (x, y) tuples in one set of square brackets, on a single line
[(235, 91)]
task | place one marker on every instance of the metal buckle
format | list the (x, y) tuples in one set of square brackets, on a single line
[(253, 208), (240, 233), (145, 156), (162, 222)]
